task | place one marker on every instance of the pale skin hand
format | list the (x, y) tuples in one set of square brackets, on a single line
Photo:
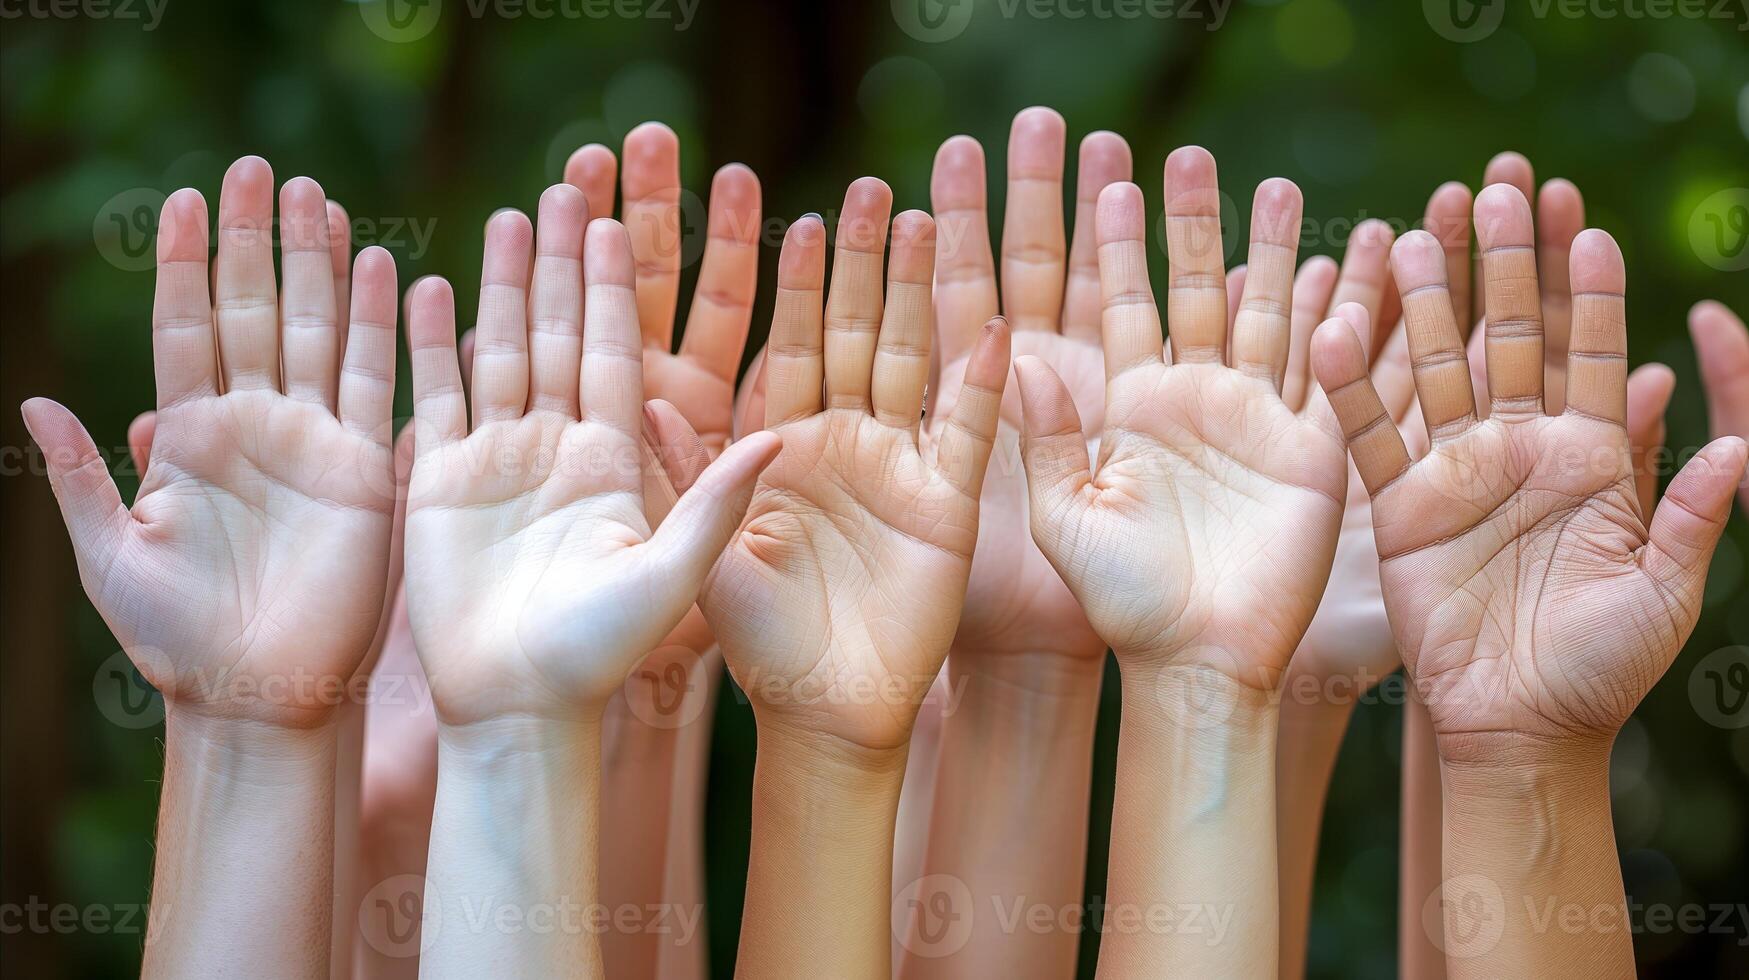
[(246, 582), (836, 602), (1533, 604), (659, 768), (1723, 345), (1198, 549), (534, 581), (1024, 672)]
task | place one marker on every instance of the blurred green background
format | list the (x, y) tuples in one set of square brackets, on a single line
[(422, 127)]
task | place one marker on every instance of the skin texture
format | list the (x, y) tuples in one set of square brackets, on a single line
[(1024, 671), (534, 580), (836, 601), (270, 486), (656, 750), (1197, 548), (1533, 602), (1723, 345)]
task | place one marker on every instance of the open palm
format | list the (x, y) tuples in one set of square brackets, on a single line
[(1205, 534), (1529, 595), (248, 578), (1016, 603), (836, 602), (534, 581)]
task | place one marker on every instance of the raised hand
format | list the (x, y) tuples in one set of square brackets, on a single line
[(1204, 538), (836, 602), (851, 565), (247, 580), (1723, 345), (534, 581), (1533, 603), (1198, 549)]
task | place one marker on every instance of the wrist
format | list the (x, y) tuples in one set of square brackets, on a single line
[(247, 748), (1034, 695)]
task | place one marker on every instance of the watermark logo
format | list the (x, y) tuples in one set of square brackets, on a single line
[(933, 21), (125, 229), (1464, 21), (1718, 230), (666, 692), (1465, 916), (1718, 687), (123, 695), (401, 21), (933, 916), (398, 916)]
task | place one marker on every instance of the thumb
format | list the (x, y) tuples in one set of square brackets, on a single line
[(79, 475), (1648, 395), (697, 530), (1051, 442), (1692, 515)]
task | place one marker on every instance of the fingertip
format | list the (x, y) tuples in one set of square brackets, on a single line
[(1105, 154), (1510, 167), (607, 253), (373, 260), (1372, 234), (249, 173), (1502, 216), (1337, 355), (1119, 214), (1035, 143), (182, 230), (1418, 260), (1595, 265), (1190, 165)]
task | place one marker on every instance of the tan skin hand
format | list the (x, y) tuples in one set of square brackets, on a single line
[(275, 496), (1204, 537), (1722, 343), (1505, 547), (1016, 602), (850, 568)]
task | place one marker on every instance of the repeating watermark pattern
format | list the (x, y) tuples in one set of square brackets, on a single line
[(850, 690), (935, 21), (404, 21), (39, 917), (667, 691), (148, 13), (1466, 917), (1467, 21), (1718, 230), (1718, 687)]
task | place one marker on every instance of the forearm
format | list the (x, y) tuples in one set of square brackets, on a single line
[(1420, 935), (1192, 880), (243, 881), (510, 887), (1021, 730), (820, 865), (1532, 884), (1308, 741), (685, 953), (348, 880)]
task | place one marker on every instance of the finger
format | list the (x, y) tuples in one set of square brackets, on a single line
[(141, 432), (722, 304), (309, 339), (650, 186), (90, 504), (438, 403), (853, 307), (750, 398), (682, 453), (593, 170), (1649, 389), (1448, 219), (1340, 362), (1513, 310), (1196, 290), (469, 341), (367, 375), (1129, 319), (1105, 160), (1235, 292), (1051, 443), (340, 266), (794, 358), (184, 357), (901, 364), (500, 376), (1033, 246), (1514, 170), (243, 288), (555, 302), (613, 355), (1260, 330), (1393, 374), (965, 273), (1597, 363), (1722, 343), (699, 527), (1687, 524), (1366, 273), (1313, 287), (1436, 345), (1560, 217), (962, 454)]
